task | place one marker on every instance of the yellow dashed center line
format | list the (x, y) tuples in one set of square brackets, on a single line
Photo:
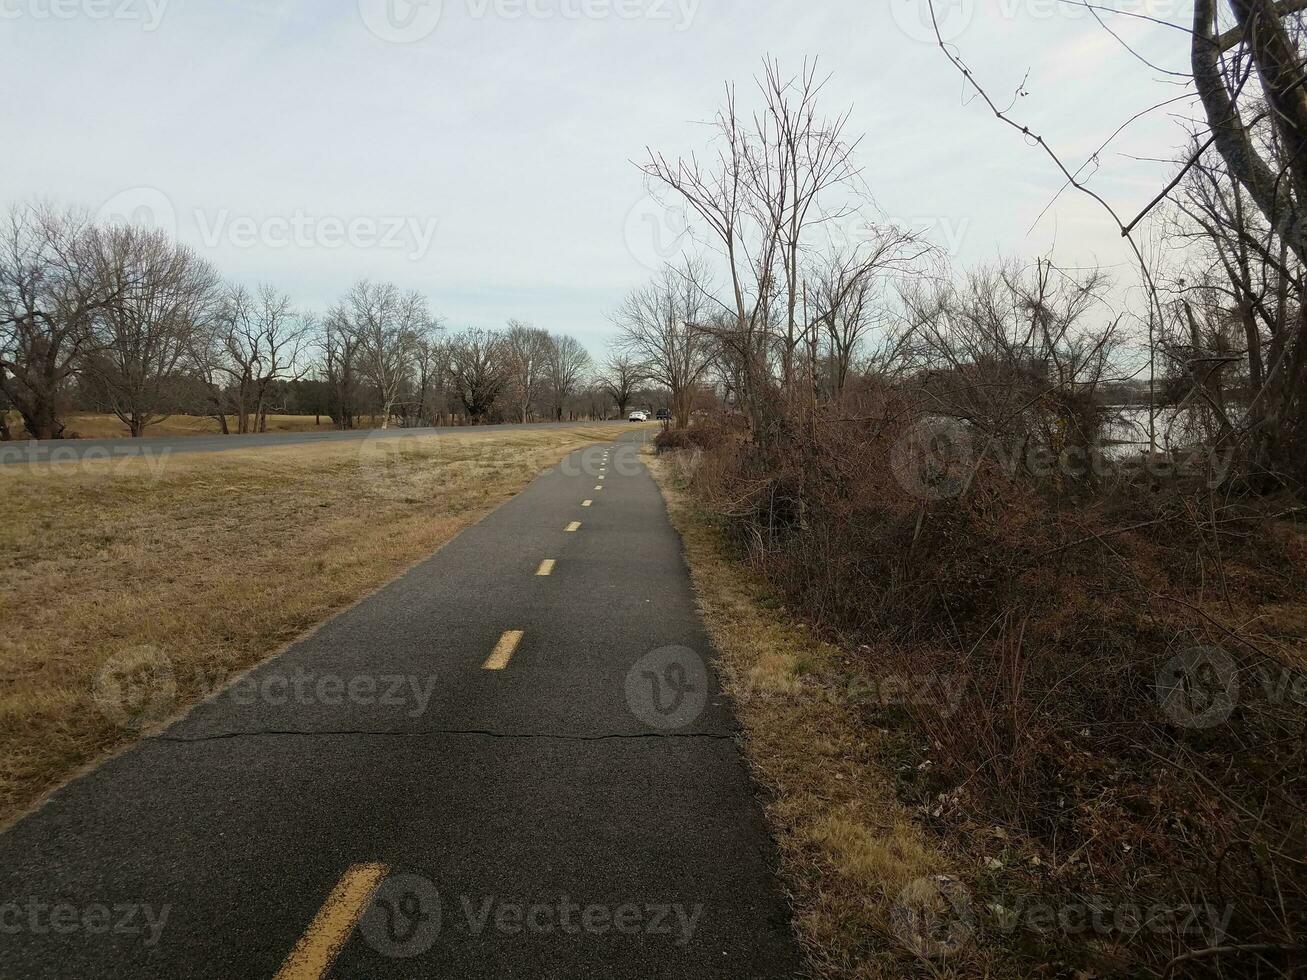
[(587, 503), (573, 527), (598, 488), (503, 651), (321, 943), (546, 567)]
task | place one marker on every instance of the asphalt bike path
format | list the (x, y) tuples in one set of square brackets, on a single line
[(513, 761)]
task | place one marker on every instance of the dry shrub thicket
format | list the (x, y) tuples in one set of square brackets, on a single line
[(1110, 571)]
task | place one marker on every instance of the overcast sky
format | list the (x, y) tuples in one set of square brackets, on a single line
[(479, 150)]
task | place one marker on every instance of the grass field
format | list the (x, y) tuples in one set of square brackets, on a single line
[(90, 425), (212, 562)]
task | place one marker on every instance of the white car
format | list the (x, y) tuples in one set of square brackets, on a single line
[(639, 416)]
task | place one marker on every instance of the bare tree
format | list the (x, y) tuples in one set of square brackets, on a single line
[(847, 296), (1277, 184), (566, 363), (762, 199), (261, 340), (53, 280), (480, 372), (205, 361), (1019, 354), (1250, 80), (526, 351), (1251, 208), (661, 330), (166, 293), (387, 325), (622, 374), (339, 369), (431, 375)]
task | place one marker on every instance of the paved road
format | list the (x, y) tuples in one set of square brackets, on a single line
[(68, 450), (583, 810)]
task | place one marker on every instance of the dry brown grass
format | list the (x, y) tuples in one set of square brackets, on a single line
[(848, 847), (99, 425), (216, 560)]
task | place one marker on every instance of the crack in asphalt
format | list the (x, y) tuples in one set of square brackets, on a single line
[(470, 732)]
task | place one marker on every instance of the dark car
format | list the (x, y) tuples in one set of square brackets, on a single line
[(663, 415)]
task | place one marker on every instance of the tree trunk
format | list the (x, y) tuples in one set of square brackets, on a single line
[(41, 421), (681, 404)]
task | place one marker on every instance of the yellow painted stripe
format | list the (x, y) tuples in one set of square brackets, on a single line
[(546, 567), (598, 488), (503, 651), (587, 503), (574, 526), (321, 943)]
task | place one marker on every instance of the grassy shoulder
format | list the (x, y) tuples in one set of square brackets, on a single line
[(211, 562), (853, 860)]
